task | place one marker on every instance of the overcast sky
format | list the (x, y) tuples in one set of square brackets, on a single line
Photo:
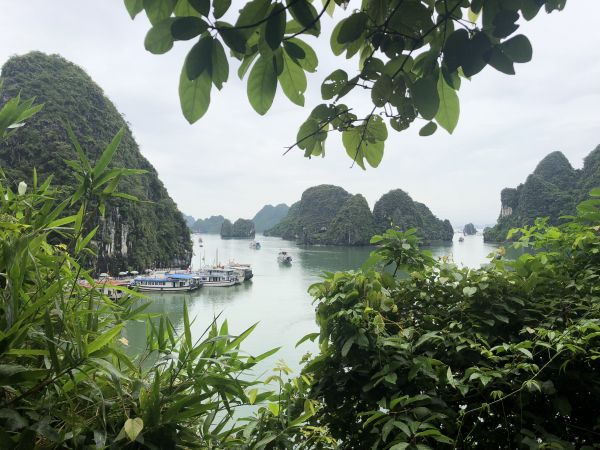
[(230, 162)]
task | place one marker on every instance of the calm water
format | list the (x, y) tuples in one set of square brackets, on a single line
[(277, 295)]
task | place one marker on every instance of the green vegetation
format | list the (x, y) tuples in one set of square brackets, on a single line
[(241, 228), (412, 57), (211, 224), (553, 190), (137, 235), (328, 214), (397, 209), (469, 230), (269, 216)]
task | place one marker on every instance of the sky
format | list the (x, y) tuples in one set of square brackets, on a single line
[(231, 163)]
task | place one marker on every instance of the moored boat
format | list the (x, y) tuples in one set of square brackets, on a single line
[(218, 277), (255, 245), (176, 282), (243, 270), (284, 257)]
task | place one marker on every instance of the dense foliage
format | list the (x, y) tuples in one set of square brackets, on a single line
[(66, 379), (353, 224), (397, 209), (136, 235), (505, 356), (211, 224), (241, 228), (412, 56), (469, 229), (553, 190), (269, 216)]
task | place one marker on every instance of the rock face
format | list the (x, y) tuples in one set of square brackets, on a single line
[(397, 209), (469, 230), (269, 216), (211, 224), (189, 220), (241, 228), (553, 190), (330, 215), (133, 235)]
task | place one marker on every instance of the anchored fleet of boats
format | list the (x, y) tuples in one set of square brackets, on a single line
[(169, 280)]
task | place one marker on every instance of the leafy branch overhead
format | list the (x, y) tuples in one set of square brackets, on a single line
[(412, 55)]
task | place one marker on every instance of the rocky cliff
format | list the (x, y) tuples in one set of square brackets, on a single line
[(469, 230), (241, 228), (398, 209), (269, 216), (328, 214), (211, 224), (133, 235), (553, 190)]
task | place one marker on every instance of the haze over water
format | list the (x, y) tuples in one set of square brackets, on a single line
[(277, 295)]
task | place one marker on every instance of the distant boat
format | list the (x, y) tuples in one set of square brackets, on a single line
[(461, 239), (284, 257), (219, 277), (175, 282), (255, 245), (201, 242)]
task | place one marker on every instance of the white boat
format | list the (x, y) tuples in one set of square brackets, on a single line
[(176, 282), (255, 245), (284, 257), (243, 270), (218, 277)]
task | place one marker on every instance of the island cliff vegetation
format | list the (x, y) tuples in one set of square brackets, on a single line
[(145, 234), (328, 214), (553, 190)]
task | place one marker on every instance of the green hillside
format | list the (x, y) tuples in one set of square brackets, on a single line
[(553, 190), (269, 216), (145, 234)]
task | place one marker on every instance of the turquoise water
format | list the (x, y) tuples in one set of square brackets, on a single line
[(277, 296)]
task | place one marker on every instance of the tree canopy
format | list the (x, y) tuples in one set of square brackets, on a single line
[(411, 55)]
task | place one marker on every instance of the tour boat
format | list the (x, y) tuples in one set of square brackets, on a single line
[(218, 277), (255, 245), (243, 270), (174, 282), (461, 239), (284, 257)]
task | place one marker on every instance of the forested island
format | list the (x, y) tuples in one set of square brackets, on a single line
[(469, 229), (553, 190), (241, 228), (328, 214), (132, 235)]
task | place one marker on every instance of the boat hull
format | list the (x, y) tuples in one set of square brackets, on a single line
[(166, 289)]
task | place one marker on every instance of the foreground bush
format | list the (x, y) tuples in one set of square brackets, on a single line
[(444, 357)]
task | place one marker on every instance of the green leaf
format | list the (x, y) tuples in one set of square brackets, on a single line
[(158, 10), (347, 345), (425, 97), (518, 49), (220, 7), (194, 96), (133, 427), (499, 61), (185, 28), (292, 80), (159, 39), (305, 14), (202, 6), (275, 26), (382, 90), (366, 141), (262, 84), (302, 53), (428, 129), (199, 59), (220, 65), (333, 84), (253, 12), (108, 153), (352, 28), (104, 339), (449, 110), (134, 7), (233, 38)]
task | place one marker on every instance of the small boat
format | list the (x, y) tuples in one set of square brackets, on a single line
[(284, 257), (255, 245), (175, 282), (461, 239), (218, 277)]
